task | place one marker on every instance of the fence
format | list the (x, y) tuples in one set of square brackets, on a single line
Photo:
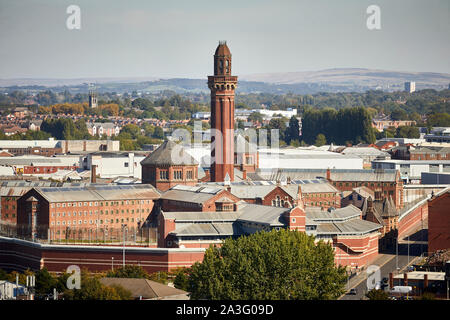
[(80, 235)]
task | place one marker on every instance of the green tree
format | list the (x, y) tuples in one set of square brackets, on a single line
[(131, 129), (377, 294), (45, 282), (93, 289), (292, 132), (255, 117), (181, 280), (320, 140), (158, 133), (268, 265), (407, 132), (128, 271)]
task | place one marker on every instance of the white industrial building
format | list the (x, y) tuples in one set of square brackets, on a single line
[(411, 170), (116, 164), (288, 158)]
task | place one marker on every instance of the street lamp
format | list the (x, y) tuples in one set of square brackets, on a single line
[(124, 227), (112, 263)]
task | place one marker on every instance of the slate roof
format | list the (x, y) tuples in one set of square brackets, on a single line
[(369, 175), (99, 193), (144, 288), (207, 229), (353, 226), (169, 153), (342, 214), (267, 215), (386, 208), (191, 194)]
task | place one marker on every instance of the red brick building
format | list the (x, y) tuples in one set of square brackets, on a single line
[(384, 183), (439, 221), (429, 153), (53, 211), (168, 166), (355, 240), (198, 198), (319, 193), (8, 208), (222, 85)]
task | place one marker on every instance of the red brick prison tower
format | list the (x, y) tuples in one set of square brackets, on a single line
[(222, 85)]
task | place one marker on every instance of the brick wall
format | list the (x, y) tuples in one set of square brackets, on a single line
[(439, 223)]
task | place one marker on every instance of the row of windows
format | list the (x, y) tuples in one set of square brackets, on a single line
[(319, 195), (80, 213), (317, 204), (74, 222), (177, 174), (355, 184), (106, 204), (6, 215)]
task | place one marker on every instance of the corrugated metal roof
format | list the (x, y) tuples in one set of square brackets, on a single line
[(369, 175), (262, 214), (191, 194), (206, 229), (202, 216), (340, 214), (93, 193), (354, 226)]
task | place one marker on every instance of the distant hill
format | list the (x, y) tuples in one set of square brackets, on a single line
[(381, 79), (310, 82)]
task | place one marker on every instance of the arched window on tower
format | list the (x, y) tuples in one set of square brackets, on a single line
[(220, 66), (227, 65)]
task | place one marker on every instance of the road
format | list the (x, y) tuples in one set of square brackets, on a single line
[(415, 249)]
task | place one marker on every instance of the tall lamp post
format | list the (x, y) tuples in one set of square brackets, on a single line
[(124, 226)]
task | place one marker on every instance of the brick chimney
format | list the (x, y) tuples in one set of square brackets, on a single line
[(425, 281), (94, 173), (405, 279), (328, 174), (244, 175), (391, 280)]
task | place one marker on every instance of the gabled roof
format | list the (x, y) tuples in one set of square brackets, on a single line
[(99, 193), (191, 194), (169, 153), (342, 214), (144, 288), (386, 208), (367, 175)]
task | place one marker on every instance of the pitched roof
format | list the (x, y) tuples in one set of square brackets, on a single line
[(144, 288), (348, 227), (169, 153), (386, 208), (99, 193), (368, 175), (191, 194), (342, 214)]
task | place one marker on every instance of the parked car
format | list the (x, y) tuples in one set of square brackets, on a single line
[(353, 291)]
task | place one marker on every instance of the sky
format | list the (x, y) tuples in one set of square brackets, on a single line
[(177, 38)]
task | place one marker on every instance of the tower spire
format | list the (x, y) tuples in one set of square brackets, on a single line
[(222, 85)]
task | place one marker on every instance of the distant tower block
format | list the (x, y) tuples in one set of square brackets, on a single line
[(410, 86), (222, 85), (92, 96)]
